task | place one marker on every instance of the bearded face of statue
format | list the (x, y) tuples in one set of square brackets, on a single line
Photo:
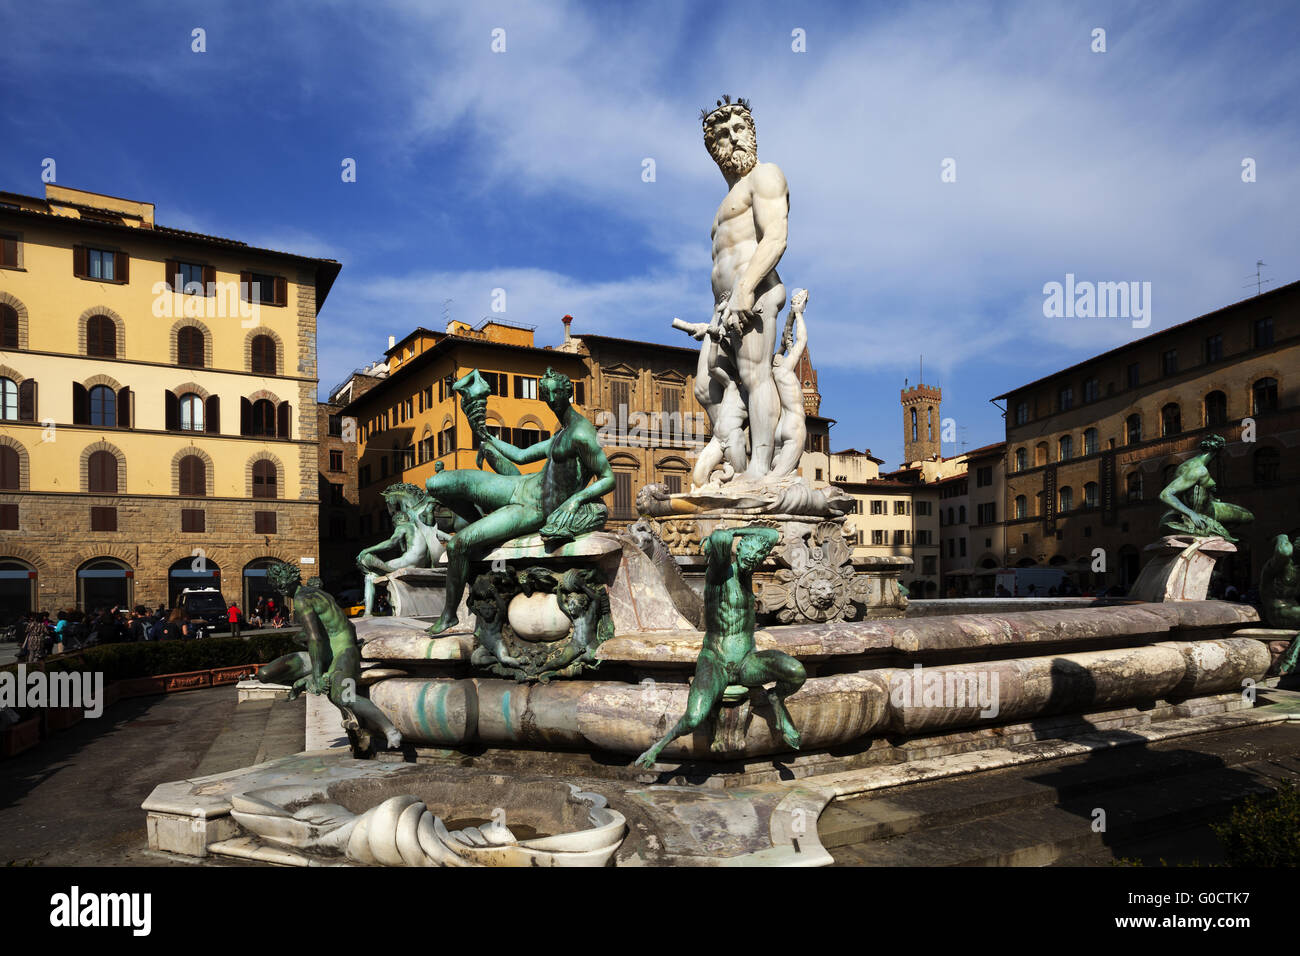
[(733, 142)]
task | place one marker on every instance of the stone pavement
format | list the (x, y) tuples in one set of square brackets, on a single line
[(75, 799)]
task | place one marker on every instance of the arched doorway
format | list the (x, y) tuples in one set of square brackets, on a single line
[(193, 572), (104, 583), (17, 589), (256, 584)]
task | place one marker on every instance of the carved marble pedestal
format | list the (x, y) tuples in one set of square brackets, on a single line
[(416, 592), (810, 577), (1179, 568)]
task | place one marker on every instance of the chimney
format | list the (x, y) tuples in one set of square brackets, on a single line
[(568, 321), (392, 340)]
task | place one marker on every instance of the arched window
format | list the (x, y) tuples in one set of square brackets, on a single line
[(1090, 495), (1066, 496), (1134, 485), (1264, 396), (263, 355), (8, 327), (265, 479), (1268, 466), (101, 337), (103, 406), (1171, 419), (1065, 447), (929, 424), (263, 421), (1216, 409), (103, 473), (191, 407), (194, 477), (1022, 459), (1022, 507), (914, 424), (190, 343), (10, 464), (1133, 429), (1090, 441), (8, 400)]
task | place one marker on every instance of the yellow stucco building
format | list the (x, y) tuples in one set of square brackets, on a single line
[(157, 405)]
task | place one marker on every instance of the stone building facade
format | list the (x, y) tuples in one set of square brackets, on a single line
[(1090, 448), (162, 431)]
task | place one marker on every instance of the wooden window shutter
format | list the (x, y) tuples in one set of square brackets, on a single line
[(9, 517), (79, 260), (9, 252), (121, 267), (282, 420), (245, 416), (80, 404), (209, 280), (27, 400), (124, 407), (281, 290), (172, 411), (212, 409), (172, 274), (245, 281), (103, 473), (9, 472)]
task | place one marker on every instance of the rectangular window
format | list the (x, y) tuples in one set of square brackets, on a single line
[(877, 507), (336, 459), (987, 513), (877, 536), (900, 507), (525, 386), (336, 493), (961, 547), (363, 478), (428, 397), (192, 520), (103, 519), (263, 522), (1022, 413), (984, 476), (620, 395), (8, 252), (447, 441), (928, 564), (899, 536), (499, 383), (426, 449), (923, 509), (99, 264), (1091, 390), (1213, 348), (623, 498), (383, 467), (264, 288), (673, 483), (1263, 333), (923, 536), (1066, 399), (189, 276), (1169, 362), (1134, 375), (580, 393), (336, 426), (9, 517)]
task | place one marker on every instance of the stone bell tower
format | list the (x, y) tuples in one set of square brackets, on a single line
[(920, 422)]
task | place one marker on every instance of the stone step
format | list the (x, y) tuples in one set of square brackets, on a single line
[(1040, 813)]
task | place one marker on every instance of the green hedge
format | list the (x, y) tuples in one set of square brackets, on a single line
[(150, 658), (1263, 830)]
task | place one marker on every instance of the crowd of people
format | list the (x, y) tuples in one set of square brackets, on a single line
[(41, 635)]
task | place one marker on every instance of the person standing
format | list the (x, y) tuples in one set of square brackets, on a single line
[(59, 630), (232, 615)]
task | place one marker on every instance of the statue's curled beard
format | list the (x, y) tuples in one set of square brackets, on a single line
[(737, 162)]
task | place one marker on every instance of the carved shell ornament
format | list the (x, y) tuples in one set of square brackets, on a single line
[(818, 581)]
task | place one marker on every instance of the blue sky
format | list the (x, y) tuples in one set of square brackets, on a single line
[(522, 170)]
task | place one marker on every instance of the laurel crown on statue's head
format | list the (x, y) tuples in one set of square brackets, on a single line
[(725, 105)]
